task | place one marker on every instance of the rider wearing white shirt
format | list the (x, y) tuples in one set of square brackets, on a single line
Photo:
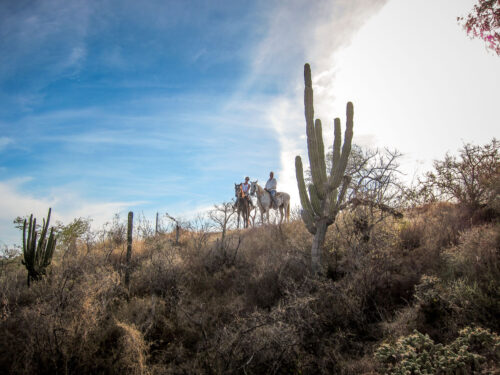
[(271, 188), (245, 187)]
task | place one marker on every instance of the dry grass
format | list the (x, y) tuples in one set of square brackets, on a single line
[(250, 305)]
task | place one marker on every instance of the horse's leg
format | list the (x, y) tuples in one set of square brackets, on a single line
[(245, 216), (248, 216)]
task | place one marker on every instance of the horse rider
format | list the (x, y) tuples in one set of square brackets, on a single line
[(245, 189), (271, 188)]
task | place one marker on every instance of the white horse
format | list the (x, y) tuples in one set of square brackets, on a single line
[(264, 202)]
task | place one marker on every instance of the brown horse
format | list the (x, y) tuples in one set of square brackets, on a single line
[(242, 205)]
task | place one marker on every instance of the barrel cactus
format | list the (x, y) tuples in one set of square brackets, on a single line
[(322, 199)]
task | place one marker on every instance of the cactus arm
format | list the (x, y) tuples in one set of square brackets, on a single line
[(304, 199), (32, 244), (346, 148), (308, 221), (49, 251), (314, 135), (320, 162), (337, 141), (43, 235), (309, 114), (28, 243), (24, 242), (316, 201), (308, 95), (332, 204)]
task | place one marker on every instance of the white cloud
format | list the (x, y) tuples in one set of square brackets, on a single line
[(302, 32), (66, 205)]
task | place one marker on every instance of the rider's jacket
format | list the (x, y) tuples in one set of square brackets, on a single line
[(271, 184)]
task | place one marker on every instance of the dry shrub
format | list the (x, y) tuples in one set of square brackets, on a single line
[(59, 322), (403, 323), (411, 233), (466, 290), (250, 304), (122, 350), (255, 344), (434, 226), (477, 256), (157, 275), (472, 277), (380, 273)]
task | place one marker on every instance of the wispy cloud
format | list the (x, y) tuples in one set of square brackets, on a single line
[(66, 205), (28, 35), (4, 142)]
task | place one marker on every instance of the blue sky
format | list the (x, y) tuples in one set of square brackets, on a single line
[(127, 102), (110, 106)]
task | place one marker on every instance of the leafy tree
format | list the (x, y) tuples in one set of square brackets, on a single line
[(484, 22), (469, 179), (69, 234)]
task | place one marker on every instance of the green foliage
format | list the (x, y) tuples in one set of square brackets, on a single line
[(418, 354), (37, 253), (69, 234)]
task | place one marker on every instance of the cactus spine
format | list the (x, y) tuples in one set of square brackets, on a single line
[(37, 255), (321, 200)]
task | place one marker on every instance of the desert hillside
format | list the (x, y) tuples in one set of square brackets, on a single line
[(420, 291)]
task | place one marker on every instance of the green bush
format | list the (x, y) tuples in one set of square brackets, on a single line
[(473, 350)]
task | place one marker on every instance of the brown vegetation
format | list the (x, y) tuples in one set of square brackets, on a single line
[(250, 304)]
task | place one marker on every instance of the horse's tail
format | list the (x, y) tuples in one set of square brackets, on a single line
[(288, 212)]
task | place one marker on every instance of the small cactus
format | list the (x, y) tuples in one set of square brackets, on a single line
[(37, 255)]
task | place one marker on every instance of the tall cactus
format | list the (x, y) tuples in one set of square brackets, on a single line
[(37, 255), (322, 198)]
